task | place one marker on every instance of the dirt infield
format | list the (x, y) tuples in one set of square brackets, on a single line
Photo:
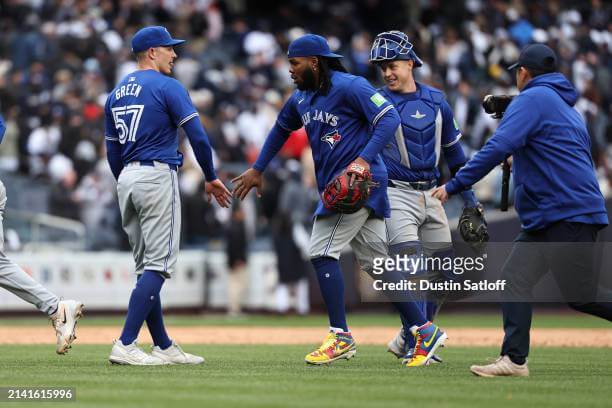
[(307, 335)]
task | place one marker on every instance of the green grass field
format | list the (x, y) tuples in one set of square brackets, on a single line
[(269, 376), (492, 319), (276, 376)]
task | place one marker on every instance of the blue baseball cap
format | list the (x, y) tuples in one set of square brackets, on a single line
[(537, 56), (153, 36), (310, 45)]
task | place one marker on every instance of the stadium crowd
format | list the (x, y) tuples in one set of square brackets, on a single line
[(59, 59)]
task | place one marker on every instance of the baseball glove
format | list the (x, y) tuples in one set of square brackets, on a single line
[(348, 192), (473, 226)]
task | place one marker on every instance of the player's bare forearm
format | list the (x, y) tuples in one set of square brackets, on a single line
[(246, 181)]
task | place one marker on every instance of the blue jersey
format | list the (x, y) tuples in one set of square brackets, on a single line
[(338, 126), (427, 126), (143, 114)]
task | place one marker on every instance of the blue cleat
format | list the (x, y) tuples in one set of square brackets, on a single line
[(429, 338)]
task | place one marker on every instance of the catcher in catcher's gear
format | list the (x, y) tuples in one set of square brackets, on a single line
[(348, 123), (418, 223)]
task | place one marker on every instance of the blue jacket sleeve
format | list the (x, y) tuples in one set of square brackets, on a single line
[(519, 121), (274, 142), (381, 135), (201, 147)]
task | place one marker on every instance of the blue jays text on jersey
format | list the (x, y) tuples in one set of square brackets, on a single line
[(143, 114), (320, 116), (339, 127), (427, 126)]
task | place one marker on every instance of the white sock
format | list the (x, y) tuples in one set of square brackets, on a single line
[(338, 330)]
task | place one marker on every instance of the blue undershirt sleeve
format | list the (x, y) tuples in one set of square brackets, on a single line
[(381, 135), (274, 142), (113, 147), (113, 154), (201, 147), (2, 128)]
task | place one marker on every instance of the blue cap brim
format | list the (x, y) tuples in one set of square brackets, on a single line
[(332, 55), (174, 42), (511, 67)]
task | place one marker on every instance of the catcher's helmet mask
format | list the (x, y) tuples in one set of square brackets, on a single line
[(393, 45)]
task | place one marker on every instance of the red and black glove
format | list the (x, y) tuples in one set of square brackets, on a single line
[(348, 192)]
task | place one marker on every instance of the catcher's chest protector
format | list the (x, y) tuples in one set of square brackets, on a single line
[(418, 139)]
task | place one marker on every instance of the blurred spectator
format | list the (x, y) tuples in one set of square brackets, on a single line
[(62, 201), (96, 199), (297, 200), (236, 251)]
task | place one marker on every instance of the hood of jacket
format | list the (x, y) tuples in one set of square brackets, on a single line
[(558, 83)]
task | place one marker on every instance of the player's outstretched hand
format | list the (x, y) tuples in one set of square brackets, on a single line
[(440, 193), (246, 181), (217, 189)]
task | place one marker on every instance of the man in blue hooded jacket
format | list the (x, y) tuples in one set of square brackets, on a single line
[(557, 198)]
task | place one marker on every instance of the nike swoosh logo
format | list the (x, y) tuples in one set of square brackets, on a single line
[(300, 101), (433, 336), (62, 315)]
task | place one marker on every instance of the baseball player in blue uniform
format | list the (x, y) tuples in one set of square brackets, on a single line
[(142, 117), (348, 124), (557, 198), (64, 314), (418, 222)]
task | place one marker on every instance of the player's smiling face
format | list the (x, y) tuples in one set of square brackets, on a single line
[(165, 57), (301, 72), (397, 74)]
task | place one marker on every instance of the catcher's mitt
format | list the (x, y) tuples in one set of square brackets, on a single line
[(349, 191), (473, 226)]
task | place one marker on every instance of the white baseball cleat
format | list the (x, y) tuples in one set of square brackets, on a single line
[(132, 355), (175, 355), (397, 346), (502, 367), (64, 322)]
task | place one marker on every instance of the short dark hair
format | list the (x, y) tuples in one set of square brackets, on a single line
[(326, 65)]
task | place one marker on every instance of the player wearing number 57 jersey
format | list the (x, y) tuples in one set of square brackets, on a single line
[(143, 114)]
